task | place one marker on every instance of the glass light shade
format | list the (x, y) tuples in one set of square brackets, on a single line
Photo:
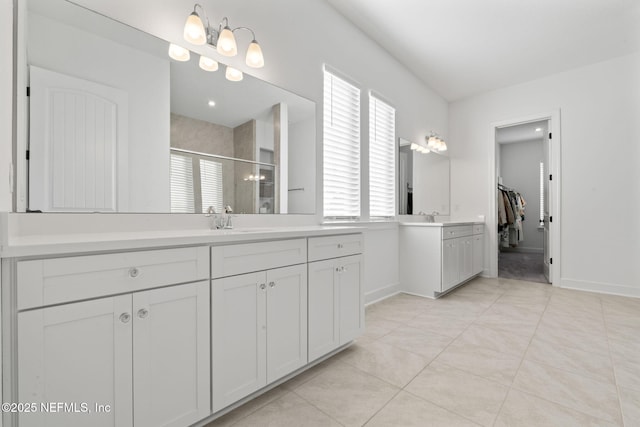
[(432, 142), (178, 53), (194, 31), (254, 55), (226, 44), (208, 64), (233, 74), (414, 146), (443, 147)]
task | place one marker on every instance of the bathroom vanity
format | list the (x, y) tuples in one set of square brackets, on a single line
[(171, 328), (437, 257)]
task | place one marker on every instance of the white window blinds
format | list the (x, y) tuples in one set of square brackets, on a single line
[(211, 185), (182, 199), (382, 158), (341, 125)]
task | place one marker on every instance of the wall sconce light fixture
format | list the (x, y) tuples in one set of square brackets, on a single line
[(435, 143), (222, 39)]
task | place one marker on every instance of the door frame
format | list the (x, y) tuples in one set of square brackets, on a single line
[(554, 190)]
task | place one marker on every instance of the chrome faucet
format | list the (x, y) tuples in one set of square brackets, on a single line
[(227, 223)]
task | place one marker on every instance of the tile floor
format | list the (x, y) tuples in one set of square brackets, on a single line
[(496, 352)]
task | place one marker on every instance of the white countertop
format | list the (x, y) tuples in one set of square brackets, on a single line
[(439, 224), (75, 243)]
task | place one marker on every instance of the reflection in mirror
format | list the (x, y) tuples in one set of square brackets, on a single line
[(423, 181), (116, 126)]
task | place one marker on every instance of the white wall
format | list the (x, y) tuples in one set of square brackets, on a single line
[(600, 162), (6, 105), (520, 170), (102, 61)]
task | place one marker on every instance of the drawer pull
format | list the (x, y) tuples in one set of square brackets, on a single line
[(134, 272), (272, 284), (125, 317), (142, 313)]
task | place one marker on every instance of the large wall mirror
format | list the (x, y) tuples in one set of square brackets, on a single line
[(424, 181), (115, 125)]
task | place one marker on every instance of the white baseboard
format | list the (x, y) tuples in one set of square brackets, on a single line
[(603, 288), (379, 294)]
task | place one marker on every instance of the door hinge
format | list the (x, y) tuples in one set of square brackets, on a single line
[(550, 219), (549, 135), (27, 156), (550, 260), (28, 91), (550, 177)]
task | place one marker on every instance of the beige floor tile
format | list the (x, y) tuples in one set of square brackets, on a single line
[(524, 410), (623, 333), (288, 410), (407, 410), (524, 323), (465, 394), (596, 398), (571, 338), (622, 319), (392, 312), (449, 325), (376, 327), (624, 350), (305, 376), (574, 310), (628, 373), (630, 403), (248, 408), (487, 363), (347, 394), (587, 324), (539, 303), (386, 362), (419, 341), (589, 364), (507, 342)]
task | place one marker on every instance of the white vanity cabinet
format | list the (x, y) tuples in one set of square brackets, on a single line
[(336, 300), (259, 319), (142, 357), (435, 258)]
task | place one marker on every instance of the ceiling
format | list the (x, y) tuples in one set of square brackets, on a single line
[(522, 132), (464, 47)]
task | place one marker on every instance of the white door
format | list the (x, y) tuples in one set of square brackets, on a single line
[(171, 355), (350, 297), (239, 334), (286, 320), (77, 144), (546, 156), (324, 332), (77, 353)]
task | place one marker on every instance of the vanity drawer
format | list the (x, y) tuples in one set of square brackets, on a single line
[(61, 280), (335, 246), (478, 228), (456, 231), (230, 260)]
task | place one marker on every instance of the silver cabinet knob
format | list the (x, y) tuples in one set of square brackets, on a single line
[(263, 286), (337, 269), (272, 284), (142, 313), (125, 317), (134, 272)]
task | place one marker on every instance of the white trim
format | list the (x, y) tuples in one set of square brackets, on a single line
[(602, 288), (382, 293), (554, 191)]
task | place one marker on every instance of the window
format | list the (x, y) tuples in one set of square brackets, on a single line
[(341, 126), (196, 184), (182, 199), (211, 185), (382, 158)]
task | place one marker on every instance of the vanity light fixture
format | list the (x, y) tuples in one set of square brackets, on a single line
[(208, 64), (233, 74), (178, 53), (253, 177), (222, 38), (435, 143), (419, 148)]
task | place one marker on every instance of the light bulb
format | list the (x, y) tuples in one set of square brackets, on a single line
[(194, 31), (414, 146), (178, 53), (208, 64), (226, 44), (233, 75), (254, 55)]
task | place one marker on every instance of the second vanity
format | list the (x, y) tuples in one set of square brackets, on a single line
[(174, 332), (437, 257)]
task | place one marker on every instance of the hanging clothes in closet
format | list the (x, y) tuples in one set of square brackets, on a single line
[(510, 216)]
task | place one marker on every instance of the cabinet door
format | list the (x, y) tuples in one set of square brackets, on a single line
[(238, 346), (450, 262), (77, 353), (350, 296), (286, 320), (324, 332), (478, 252), (465, 254), (171, 362)]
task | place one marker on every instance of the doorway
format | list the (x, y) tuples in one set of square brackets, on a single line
[(526, 175)]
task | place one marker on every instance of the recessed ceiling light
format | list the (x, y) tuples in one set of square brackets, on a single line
[(538, 129), (212, 103)]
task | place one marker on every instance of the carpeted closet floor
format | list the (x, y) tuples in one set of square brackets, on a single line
[(521, 266)]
